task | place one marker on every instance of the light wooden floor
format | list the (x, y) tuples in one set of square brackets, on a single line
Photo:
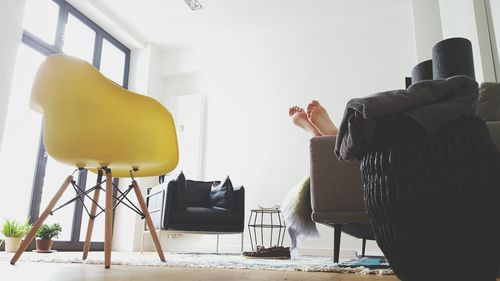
[(78, 272)]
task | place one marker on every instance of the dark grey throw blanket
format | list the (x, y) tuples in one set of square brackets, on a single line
[(431, 103)]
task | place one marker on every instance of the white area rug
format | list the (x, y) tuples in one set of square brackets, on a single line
[(304, 263)]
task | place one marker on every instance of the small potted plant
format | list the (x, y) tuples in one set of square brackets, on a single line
[(44, 236), (13, 233)]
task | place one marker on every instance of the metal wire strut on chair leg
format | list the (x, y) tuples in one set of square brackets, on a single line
[(117, 200)]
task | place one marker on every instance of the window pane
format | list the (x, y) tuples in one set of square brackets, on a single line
[(20, 139), (79, 39), (55, 174), (112, 62), (98, 233), (495, 13), (40, 18)]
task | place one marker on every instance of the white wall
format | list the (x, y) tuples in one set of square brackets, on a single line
[(11, 19), (251, 77)]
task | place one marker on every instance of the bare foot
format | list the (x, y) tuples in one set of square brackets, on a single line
[(300, 119), (319, 118)]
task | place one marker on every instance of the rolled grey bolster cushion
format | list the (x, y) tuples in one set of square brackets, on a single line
[(452, 57), (422, 71)]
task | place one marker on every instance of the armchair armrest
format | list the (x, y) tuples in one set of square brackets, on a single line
[(239, 202), (336, 186), (159, 202), (155, 201)]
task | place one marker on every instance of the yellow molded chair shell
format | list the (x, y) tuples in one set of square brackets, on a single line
[(91, 122)]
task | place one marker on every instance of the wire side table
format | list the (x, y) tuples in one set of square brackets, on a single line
[(266, 218)]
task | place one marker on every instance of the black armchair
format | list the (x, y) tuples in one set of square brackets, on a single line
[(192, 211)]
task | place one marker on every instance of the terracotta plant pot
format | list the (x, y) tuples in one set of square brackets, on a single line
[(44, 244), (12, 244)]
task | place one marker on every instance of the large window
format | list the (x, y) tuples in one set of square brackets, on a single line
[(494, 18), (50, 27)]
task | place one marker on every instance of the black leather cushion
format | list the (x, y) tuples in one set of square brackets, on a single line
[(180, 192), (204, 216), (198, 193), (222, 195)]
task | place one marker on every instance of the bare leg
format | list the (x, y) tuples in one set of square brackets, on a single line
[(319, 118), (299, 118)]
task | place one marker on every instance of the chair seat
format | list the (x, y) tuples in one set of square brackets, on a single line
[(204, 216)]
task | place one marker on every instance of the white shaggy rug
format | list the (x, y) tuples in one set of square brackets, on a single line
[(304, 263)]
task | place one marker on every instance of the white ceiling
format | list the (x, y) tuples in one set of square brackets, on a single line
[(173, 23)]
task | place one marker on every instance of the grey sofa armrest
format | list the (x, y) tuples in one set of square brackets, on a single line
[(336, 186)]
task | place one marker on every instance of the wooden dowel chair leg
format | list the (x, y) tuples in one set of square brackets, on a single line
[(90, 225), (108, 227), (31, 235), (149, 221)]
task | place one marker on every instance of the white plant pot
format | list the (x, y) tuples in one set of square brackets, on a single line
[(12, 244)]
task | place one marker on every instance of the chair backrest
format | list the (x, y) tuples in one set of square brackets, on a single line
[(91, 122)]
